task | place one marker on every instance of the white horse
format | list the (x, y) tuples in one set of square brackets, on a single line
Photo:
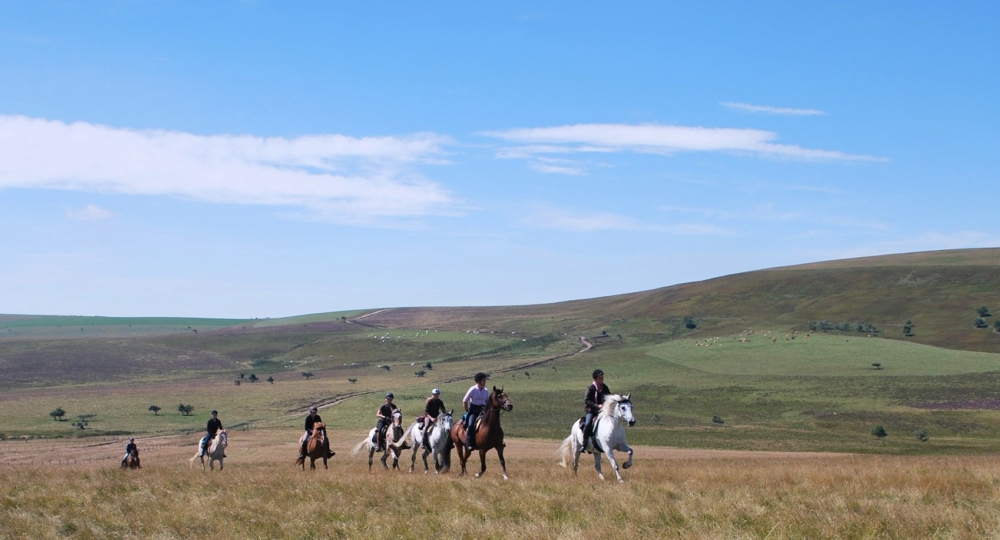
[(393, 433), (216, 451), (438, 440), (609, 430)]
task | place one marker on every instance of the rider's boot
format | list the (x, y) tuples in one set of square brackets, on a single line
[(302, 451)]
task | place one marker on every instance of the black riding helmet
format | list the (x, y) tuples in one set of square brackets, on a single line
[(598, 373), (388, 396), (481, 376)]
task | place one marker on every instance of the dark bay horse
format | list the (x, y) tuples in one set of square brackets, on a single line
[(315, 448), (132, 461), (488, 436)]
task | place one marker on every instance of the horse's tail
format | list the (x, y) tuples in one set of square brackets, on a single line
[(565, 451), (191, 461), (359, 446)]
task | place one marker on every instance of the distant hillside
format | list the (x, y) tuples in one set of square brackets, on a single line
[(938, 291)]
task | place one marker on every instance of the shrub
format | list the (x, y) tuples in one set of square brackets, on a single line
[(983, 311), (718, 420), (877, 365), (921, 435), (689, 323), (907, 330), (57, 414), (879, 431), (979, 322)]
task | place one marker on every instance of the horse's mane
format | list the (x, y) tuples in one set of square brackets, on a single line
[(610, 405)]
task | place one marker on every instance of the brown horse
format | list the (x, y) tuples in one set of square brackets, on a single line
[(488, 436), (316, 448), (132, 461)]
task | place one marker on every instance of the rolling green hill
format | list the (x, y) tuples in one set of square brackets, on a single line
[(751, 360)]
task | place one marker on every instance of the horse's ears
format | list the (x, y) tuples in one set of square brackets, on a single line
[(495, 389), (628, 396)]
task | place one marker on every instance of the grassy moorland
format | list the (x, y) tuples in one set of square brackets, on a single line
[(667, 494), (749, 361)]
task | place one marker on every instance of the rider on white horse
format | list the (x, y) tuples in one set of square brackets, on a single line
[(432, 410), (593, 400), (384, 415), (211, 429)]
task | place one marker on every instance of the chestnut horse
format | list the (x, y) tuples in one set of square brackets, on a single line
[(488, 436), (315, 448)]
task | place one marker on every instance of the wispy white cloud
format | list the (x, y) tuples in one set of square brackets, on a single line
[(332, 177), (769, 213), (766, 109), (89, 213), (657, 139), (548, 217)]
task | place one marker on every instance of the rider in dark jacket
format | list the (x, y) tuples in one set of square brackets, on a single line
[(384, 415), (129, 448), (310, 423), (592, 401), (211, 429), (432, 410)]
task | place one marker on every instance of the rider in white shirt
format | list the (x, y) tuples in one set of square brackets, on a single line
[(474, 402)]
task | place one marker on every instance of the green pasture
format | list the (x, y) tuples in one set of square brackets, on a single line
[(816, 393)]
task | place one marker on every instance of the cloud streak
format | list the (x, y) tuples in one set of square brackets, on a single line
[(658, 139), (331, 177), (766, 109), (89, 213)]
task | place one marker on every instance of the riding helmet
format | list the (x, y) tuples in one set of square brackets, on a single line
[(215, 412), (388, 396), (313, 409), (435, 392), (480, 376), (598, 373)]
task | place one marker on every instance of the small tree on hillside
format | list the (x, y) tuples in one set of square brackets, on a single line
[(236, 382), (270, 380), (983, 311), (185, 410), (155, 409), (996, 325), (58, 414), (877, 365), (879, 431), (689, 323), (980, 322), (430, 366), (253, 378), (307, 374), (907, 330), (420, 373)]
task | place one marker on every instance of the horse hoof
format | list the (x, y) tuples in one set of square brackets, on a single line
[(505, 477), (476, 476), (626, 465), (601, 476)]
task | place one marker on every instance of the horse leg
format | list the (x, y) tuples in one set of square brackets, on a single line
[(371, 453), (577, 450), (628, 449), (503, 464), (614, 464), (597, 465), (385, 456), (482, 462), (427, 468)]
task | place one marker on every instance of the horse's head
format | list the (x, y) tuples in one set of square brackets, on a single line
[(500, 400), (318, 428), (618, 406), (223, 438), (445, 421), (397, 417), (625, 409)]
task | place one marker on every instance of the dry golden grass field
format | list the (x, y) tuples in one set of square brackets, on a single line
[(668, 493)]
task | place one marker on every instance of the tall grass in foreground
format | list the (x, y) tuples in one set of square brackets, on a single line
[(745, 497)]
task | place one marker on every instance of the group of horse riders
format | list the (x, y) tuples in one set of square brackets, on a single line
[(474, 402)]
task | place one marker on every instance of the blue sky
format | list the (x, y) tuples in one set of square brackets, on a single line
[(265, 159)]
